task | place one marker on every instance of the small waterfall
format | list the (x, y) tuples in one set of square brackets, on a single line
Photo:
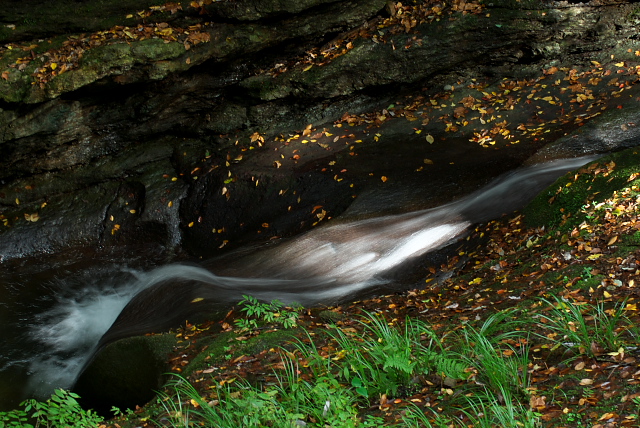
[(327, 264)]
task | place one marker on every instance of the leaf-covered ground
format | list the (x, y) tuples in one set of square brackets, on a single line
[(578, 241), (586, 255)]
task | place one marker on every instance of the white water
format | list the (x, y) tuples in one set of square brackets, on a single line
[(323, 265)]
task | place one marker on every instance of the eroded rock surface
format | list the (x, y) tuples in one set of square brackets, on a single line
[(162, 139)]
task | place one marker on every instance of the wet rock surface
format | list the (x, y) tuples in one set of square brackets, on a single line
[(126, 373), (93, 151)]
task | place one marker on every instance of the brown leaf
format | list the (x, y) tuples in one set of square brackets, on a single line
[(538, 403), (596, 348)]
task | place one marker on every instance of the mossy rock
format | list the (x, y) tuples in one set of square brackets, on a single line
[(517, 4), (126, 372), (226, 346), (560, 203), (156, 50)]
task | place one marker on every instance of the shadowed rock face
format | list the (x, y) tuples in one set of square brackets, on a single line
[(126, 373), (133, 115)]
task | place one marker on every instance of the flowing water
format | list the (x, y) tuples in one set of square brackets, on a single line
[(54, 328)]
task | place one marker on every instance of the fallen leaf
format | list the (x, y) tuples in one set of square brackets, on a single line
[(538, 403), (32, 217)]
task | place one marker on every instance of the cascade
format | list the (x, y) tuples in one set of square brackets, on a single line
[(325, 265)]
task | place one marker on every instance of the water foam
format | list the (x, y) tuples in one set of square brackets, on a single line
[(323, 265)]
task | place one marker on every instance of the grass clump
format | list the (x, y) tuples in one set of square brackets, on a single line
[(386, 359), (358, 369), (585, 328)]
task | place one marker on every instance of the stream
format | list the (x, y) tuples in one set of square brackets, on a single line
[(55, 324)]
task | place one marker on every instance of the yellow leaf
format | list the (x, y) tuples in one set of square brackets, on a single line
[(430, 139), (606, 294), (383, 178), (53, 65), (31, 217), (197, 299), (607, 416), (619, 64), (307, 68)]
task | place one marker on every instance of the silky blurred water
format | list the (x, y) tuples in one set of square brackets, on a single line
[(54, 327)]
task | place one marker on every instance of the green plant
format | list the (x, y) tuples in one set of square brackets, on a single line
[(273, 312), (290, 402), (371, 421), (323, 400), (497, 367), (384, 358), (636, 401), (17, 418), (586, 327), (489, 409), (117, 412), (62, 410), (416, 418)]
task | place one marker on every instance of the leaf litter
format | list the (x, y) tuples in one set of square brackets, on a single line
[(594, 260), (504, 264)]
